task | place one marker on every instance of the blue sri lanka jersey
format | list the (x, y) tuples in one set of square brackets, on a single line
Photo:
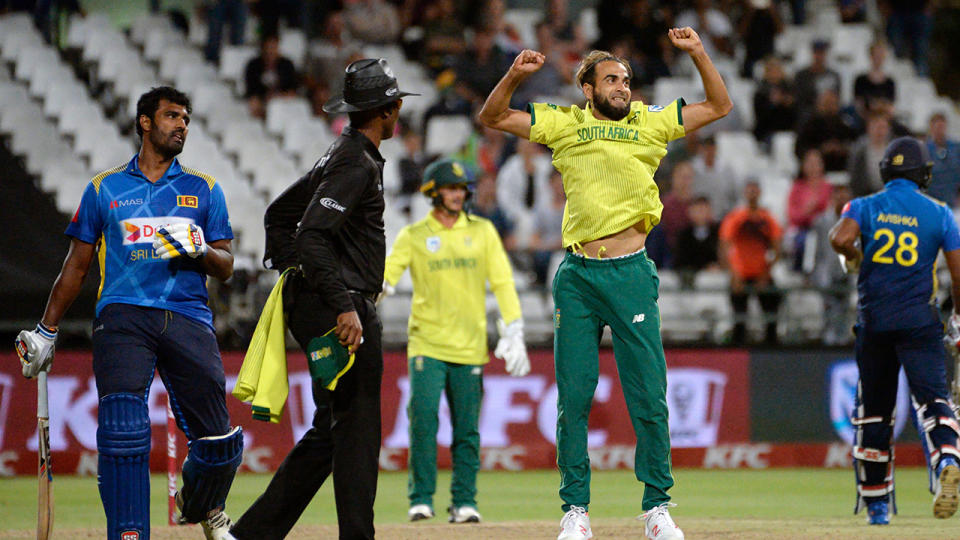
[(902, 231), (121, 210)]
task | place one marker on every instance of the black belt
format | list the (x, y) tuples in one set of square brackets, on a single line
[(367, 295)]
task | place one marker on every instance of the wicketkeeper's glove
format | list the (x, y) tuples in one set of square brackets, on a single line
[(35, 349), (179, 239), (387, 290), (512, 349)]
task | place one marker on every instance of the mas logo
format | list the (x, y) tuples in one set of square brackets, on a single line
[(433, 244), (142, 230), (189, 201), (126, 202)]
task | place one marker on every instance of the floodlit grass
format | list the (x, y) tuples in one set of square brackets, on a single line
[(777, 503)]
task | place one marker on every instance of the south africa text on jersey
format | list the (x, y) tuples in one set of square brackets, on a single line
[(445, 264), (607, 132)]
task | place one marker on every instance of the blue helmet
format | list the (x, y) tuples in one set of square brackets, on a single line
[(906, 157)]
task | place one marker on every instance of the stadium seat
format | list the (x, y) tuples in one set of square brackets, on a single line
[(159, 41), (14, 39), (447, 134), (115, 61), (667, 89), (99, 41), (241, 133), (669, 279), (739, 150), (524, 20), (192, 75), (282, 110), (307, 137), (146, 22), (293, 45), (61, 94), (110, 154), (782, 151), (32, 58), (207, 95), (46, 76), (233, 62), (712, 281)]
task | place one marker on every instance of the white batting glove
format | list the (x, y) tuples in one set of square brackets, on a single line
[(180, 239), (35, 350), (512, 349), (850, 266), (953, 330)]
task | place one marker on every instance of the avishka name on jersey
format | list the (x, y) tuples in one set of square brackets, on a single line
[(121, 211), (897, 219)]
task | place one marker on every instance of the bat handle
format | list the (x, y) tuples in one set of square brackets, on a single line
[(42, 408)]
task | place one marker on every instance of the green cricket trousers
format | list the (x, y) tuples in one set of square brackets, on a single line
[(463, 384), (621, 293)]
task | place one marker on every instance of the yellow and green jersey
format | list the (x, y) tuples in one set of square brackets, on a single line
[(607, 165), (450, 270)]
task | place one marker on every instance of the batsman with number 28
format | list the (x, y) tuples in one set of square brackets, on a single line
[(158, 229), (607, 153)]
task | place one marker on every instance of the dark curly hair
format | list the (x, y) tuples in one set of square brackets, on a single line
[(150, 102)]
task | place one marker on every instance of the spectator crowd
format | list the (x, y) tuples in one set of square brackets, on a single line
[(713, 216)]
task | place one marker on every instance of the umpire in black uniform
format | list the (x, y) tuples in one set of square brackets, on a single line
[(329, 225)]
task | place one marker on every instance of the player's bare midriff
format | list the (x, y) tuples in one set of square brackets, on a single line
[(625, 242)]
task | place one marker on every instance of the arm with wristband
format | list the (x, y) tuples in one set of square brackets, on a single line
[(35, 348)]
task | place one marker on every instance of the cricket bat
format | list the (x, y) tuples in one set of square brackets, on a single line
[(44, 473)]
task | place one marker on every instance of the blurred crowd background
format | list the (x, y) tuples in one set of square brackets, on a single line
[(820, 87)]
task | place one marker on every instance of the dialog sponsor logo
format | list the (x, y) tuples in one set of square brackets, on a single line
[(142, 230), (843, 377)]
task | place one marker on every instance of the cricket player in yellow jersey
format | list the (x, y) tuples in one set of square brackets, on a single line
[(607, 152), (452, 256)]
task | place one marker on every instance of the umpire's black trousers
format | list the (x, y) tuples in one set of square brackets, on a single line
[(345, 437)]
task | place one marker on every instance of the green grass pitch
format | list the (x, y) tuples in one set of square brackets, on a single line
[(778, 503)]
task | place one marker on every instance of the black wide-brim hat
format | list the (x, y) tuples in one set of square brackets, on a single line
[(367, 84)]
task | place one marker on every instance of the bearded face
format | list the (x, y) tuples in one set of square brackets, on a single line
[(611, 90), (614, 107)]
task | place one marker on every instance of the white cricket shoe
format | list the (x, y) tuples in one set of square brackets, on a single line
[(217, 527), (419, 511), (463, 514), (575, 525), (659, 524)]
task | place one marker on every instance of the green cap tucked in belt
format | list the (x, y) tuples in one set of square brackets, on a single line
[(328, 359)]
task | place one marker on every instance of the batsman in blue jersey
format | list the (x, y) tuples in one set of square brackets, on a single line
[(158, 229), (901, 231)]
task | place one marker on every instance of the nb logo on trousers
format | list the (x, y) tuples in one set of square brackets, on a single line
[(639, 317)]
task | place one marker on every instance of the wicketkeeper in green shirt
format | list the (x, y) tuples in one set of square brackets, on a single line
[(452, 256)]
